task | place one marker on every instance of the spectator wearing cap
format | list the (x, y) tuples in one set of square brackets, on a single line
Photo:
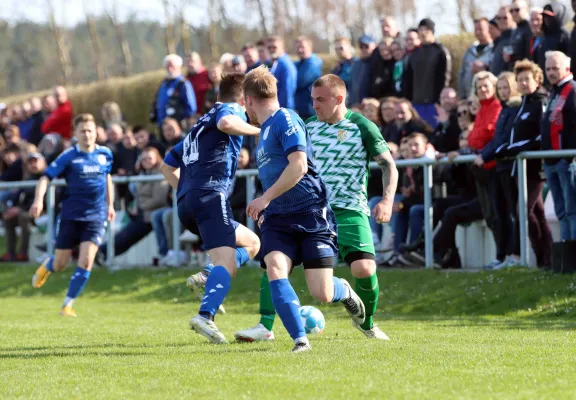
[(284, 71), (197, 75), (559, 133), (476, 58), (428, 72), (522, 35), (250, 54), (504, 44), (344, 51), (239, 64), (175, 97), (572, 47), (360, 80), (309, 68), (554, 36), (17, 214), (536, 20), (494, 30), (60, 120)]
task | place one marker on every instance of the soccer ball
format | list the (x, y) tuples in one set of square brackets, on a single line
[(313, 319)]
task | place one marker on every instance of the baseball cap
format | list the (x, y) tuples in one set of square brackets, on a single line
[(36, 156), (237, 60), (366, 39)]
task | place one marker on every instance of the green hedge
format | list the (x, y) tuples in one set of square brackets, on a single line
[(135, 94)]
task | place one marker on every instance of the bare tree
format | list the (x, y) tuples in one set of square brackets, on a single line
[(169, 30), (184, 27), (96, 45), (121, 38), (63, 53), (260, 6), (212, 29)]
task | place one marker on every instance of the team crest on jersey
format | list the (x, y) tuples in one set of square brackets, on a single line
[(266, 132), (342, 135), (102, 159)]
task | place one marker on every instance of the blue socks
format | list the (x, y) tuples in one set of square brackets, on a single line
[(242, 256), (287, 306), (208, 268), (217, 287), (50, 264), (340, 291), (77, 283)]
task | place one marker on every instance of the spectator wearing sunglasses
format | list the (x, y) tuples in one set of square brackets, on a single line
[(523, 33)]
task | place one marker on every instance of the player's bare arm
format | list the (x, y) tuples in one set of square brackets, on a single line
[(38, 204), (296, 169), (383, 210), (234, 125), (110, 198), (171, 174)]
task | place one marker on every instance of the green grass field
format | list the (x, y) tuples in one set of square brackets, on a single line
[(500, 335)]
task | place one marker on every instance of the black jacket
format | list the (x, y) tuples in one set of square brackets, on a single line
[(525, 134), (414, 125), (554, 36), (381, 82), (566, 124), (445, 137), (498, 64), (502, 133), (572, 48), (428, 72), (35, 134), (521, 41)]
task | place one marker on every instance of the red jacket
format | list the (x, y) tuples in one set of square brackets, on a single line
[(485, 126), (60, 121), (201, 84)]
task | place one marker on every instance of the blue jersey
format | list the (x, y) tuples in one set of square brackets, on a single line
[(207, 157), (86, 175), (282, 134)]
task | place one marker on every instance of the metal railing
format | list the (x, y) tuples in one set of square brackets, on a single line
[(250, 174)]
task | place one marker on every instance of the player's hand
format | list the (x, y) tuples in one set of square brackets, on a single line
[(111, 213), (256, 206), (36, 209), (383, 211)]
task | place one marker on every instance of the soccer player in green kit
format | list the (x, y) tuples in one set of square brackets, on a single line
[(344, 142)]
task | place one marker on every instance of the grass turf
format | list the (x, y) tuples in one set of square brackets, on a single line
[(509, 334)]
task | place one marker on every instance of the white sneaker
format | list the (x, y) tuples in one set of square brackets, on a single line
[(301, 347), (373, 333), (255, 334), (197, 283), (208, 329), (354, 305), (493, 264), (177, 259)]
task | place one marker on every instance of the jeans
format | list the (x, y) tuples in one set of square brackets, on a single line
[(157, 219), (563, 191), (406, 219), (136, 230), (374, 225)]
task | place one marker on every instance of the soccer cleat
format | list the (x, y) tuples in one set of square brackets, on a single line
[(208, 329), (67, 311), (301, 347), (255, 334), (372, 333), (354, 305), (196, 283), (41, 274)]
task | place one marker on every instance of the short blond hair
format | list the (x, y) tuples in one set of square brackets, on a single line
[(83, 119), (481, 76), (334, 82), (527, 65), (261, 84)]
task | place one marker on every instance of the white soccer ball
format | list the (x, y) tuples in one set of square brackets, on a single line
[(313, 319)]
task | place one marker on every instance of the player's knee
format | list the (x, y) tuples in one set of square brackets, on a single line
[(59, 265), (322, 294), (363, 268), (254, 247)]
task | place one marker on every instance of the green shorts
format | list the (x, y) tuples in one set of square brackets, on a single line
[(354, 233)]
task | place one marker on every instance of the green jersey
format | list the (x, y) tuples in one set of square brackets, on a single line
[(342, 153)]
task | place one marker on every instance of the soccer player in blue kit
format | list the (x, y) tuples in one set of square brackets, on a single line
[(87, 206), (202, 167), (297, 225)]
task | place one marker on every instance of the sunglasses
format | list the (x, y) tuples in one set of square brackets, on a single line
[(462, 113), (272, 47), (501, 18)]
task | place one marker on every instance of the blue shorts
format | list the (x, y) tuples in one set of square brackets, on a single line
[(208, 214), (70, 234), (304, 237)]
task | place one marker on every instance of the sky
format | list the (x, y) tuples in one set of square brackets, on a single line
[(70, 12)]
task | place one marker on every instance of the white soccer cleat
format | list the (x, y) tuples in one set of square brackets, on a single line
[(372, 333), (197, 283), (257, 333), (208, 329), (301, 347), (354, 305)]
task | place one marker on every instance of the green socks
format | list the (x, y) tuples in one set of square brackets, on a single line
[(267, 311), (368, 290)]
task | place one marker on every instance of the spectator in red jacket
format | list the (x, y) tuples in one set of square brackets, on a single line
[(484, 84), (60, 120), (198, 77)]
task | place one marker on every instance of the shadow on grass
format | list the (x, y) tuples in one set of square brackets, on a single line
[(68, 354), (449, 322), (522, 293)]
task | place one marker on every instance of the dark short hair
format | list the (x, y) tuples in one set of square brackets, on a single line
[(82, 119), (248, 46), (231, 88), (482, 19), (261, 42), (416, 135)]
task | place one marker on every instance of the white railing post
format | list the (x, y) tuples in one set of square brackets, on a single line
[(428, 215), (250, 181), (523, 210)]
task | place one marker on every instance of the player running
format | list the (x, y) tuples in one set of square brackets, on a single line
[(207, 159), (297, 225), (87, 206), (344, 142)]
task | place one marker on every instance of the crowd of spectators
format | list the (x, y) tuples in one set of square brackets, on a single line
[(514, 92)]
